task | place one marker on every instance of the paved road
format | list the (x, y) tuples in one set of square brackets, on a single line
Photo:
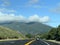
[(17, 42), (53, 43), (23, 42), (40, 42)]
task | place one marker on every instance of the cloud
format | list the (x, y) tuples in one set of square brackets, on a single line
[(35, 4), (4, 10), (56, 9), (13, 17), (10, 17), (36, 18), (5, 3), (32, 2)]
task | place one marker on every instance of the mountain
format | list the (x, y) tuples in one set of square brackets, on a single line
[(9, 33), (31, 27)]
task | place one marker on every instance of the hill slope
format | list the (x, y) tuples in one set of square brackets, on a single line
[(31, 27), (8, 33)]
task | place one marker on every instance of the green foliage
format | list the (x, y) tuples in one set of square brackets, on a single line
[(29, 35), (54, 34), (6, 33), (43, 36)]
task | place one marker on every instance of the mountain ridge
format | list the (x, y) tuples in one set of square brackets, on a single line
[(30, 27)]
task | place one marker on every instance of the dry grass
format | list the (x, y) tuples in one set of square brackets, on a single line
[(10, 39), (54, 41)]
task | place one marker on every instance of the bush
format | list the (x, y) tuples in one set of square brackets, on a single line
[(29, 35)]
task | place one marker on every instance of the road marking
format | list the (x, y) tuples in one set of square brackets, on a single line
[(29, 42), (45, 42), (12, 42)]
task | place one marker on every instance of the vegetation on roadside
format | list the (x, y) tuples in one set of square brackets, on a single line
[(29, 35), (6, 33), (53, 34)]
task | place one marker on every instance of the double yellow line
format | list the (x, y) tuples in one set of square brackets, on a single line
[(29, 42)]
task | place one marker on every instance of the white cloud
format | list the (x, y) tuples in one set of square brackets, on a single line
[(34, 18), (5, 3), (10, 17), (44, 19), (13, 17), (37, 18), (56, 9), (6, 10), (32, 2)]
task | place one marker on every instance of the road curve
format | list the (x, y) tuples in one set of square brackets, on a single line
[(42, 42), (27, 42), (39, 42)]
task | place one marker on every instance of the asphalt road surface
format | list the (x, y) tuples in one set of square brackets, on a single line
[(23, 42), (40, 42), (16, 42)]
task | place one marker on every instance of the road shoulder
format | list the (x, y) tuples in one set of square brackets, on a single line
[(58, 42), (10, 39)]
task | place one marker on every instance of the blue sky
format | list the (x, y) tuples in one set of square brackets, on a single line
[(44, 11)]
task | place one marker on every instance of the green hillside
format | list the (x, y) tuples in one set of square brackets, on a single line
[(53, 34), (8, 33), (31, 27)]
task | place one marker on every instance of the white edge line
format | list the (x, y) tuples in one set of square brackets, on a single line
[(45, 42)]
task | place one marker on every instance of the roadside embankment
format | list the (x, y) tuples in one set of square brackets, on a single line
[(54, 41)]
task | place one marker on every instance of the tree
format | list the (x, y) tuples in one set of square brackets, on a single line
[(56, 35), (48, 37), (29, 35), (59, 26)]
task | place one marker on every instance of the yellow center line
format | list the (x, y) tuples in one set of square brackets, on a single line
[(29, 42)]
